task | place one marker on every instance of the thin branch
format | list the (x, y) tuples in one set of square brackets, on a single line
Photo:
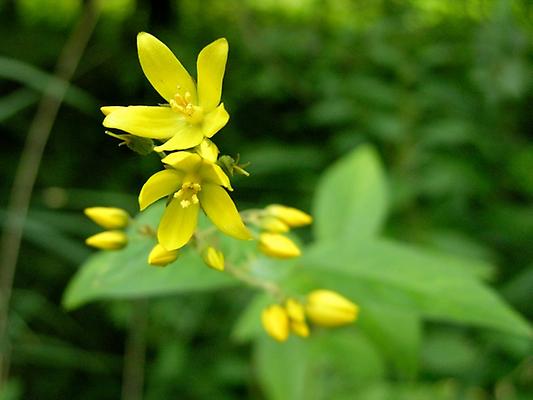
[(135, 352), (29, 163)]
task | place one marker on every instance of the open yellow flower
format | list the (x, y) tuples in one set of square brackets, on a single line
[(193, 111), (193, 182)]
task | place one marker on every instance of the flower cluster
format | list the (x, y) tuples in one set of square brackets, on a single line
[(323, 307), (195, 177)]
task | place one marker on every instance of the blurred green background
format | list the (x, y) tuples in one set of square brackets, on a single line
[(441, 88)]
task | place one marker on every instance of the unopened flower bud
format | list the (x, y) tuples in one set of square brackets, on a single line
[(291, 216), (276, 322), (328, 308), (108, 240), (161, 257), (273, 225), (278, 246), (208, 150), (214, 258), (108, 217), (299, 328), (295, 310)]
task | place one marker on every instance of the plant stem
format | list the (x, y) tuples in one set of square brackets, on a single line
[(135, 352), (28, 167)]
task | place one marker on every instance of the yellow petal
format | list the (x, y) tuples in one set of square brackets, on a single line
[(162, 68), (177, 225), (151, 122), (211, 66), (159, 185), (222, 211), (183, 161), (208, 150), (106, 110), (215, 121), (189, 136), (212, 173)]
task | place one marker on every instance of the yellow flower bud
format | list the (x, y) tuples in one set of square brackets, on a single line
[(327, 308), (108, 240), (278, 246), (276, 322), (214, 258), (291, 216), (108, 217), (273, 225), (295, 310), (161, 257), (300, 328)]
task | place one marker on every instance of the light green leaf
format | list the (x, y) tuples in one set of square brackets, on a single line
[(351, 199), (437, 286), (396, 333), (328, 365), (126, 273)]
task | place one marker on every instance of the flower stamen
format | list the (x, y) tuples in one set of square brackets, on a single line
[(188, 194)]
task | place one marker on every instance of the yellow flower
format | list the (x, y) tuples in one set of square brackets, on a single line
[(214, 258), (278, 246), (108, 217), (109, 240), (193, 111), (291, 216), (193, 182), (328, 308), (161, 257), (276, 322)]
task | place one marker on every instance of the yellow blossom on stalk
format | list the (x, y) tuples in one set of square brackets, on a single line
[(193, 182), (108, 217), (328, 308), (108, 240), (276, 322), (278, 246), (214, 258), (161, 257), (290, 215), (193, 111)]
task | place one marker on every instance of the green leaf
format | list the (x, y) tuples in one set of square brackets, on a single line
[(328, 365), (248, 325), (126, 273), (396, 333), (39, 80), (435, 285), (351, 200)]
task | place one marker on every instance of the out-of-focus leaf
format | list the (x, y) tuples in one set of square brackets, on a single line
[(248, 325), (16, 101), (351, 199), (396, 333), (39, 80), (126, 273), (437, 286), (327, 365)]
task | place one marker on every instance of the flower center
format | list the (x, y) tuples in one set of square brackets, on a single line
[(183, 105), (187, 195)]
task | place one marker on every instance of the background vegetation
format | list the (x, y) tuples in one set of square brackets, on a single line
[(434, 96)]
